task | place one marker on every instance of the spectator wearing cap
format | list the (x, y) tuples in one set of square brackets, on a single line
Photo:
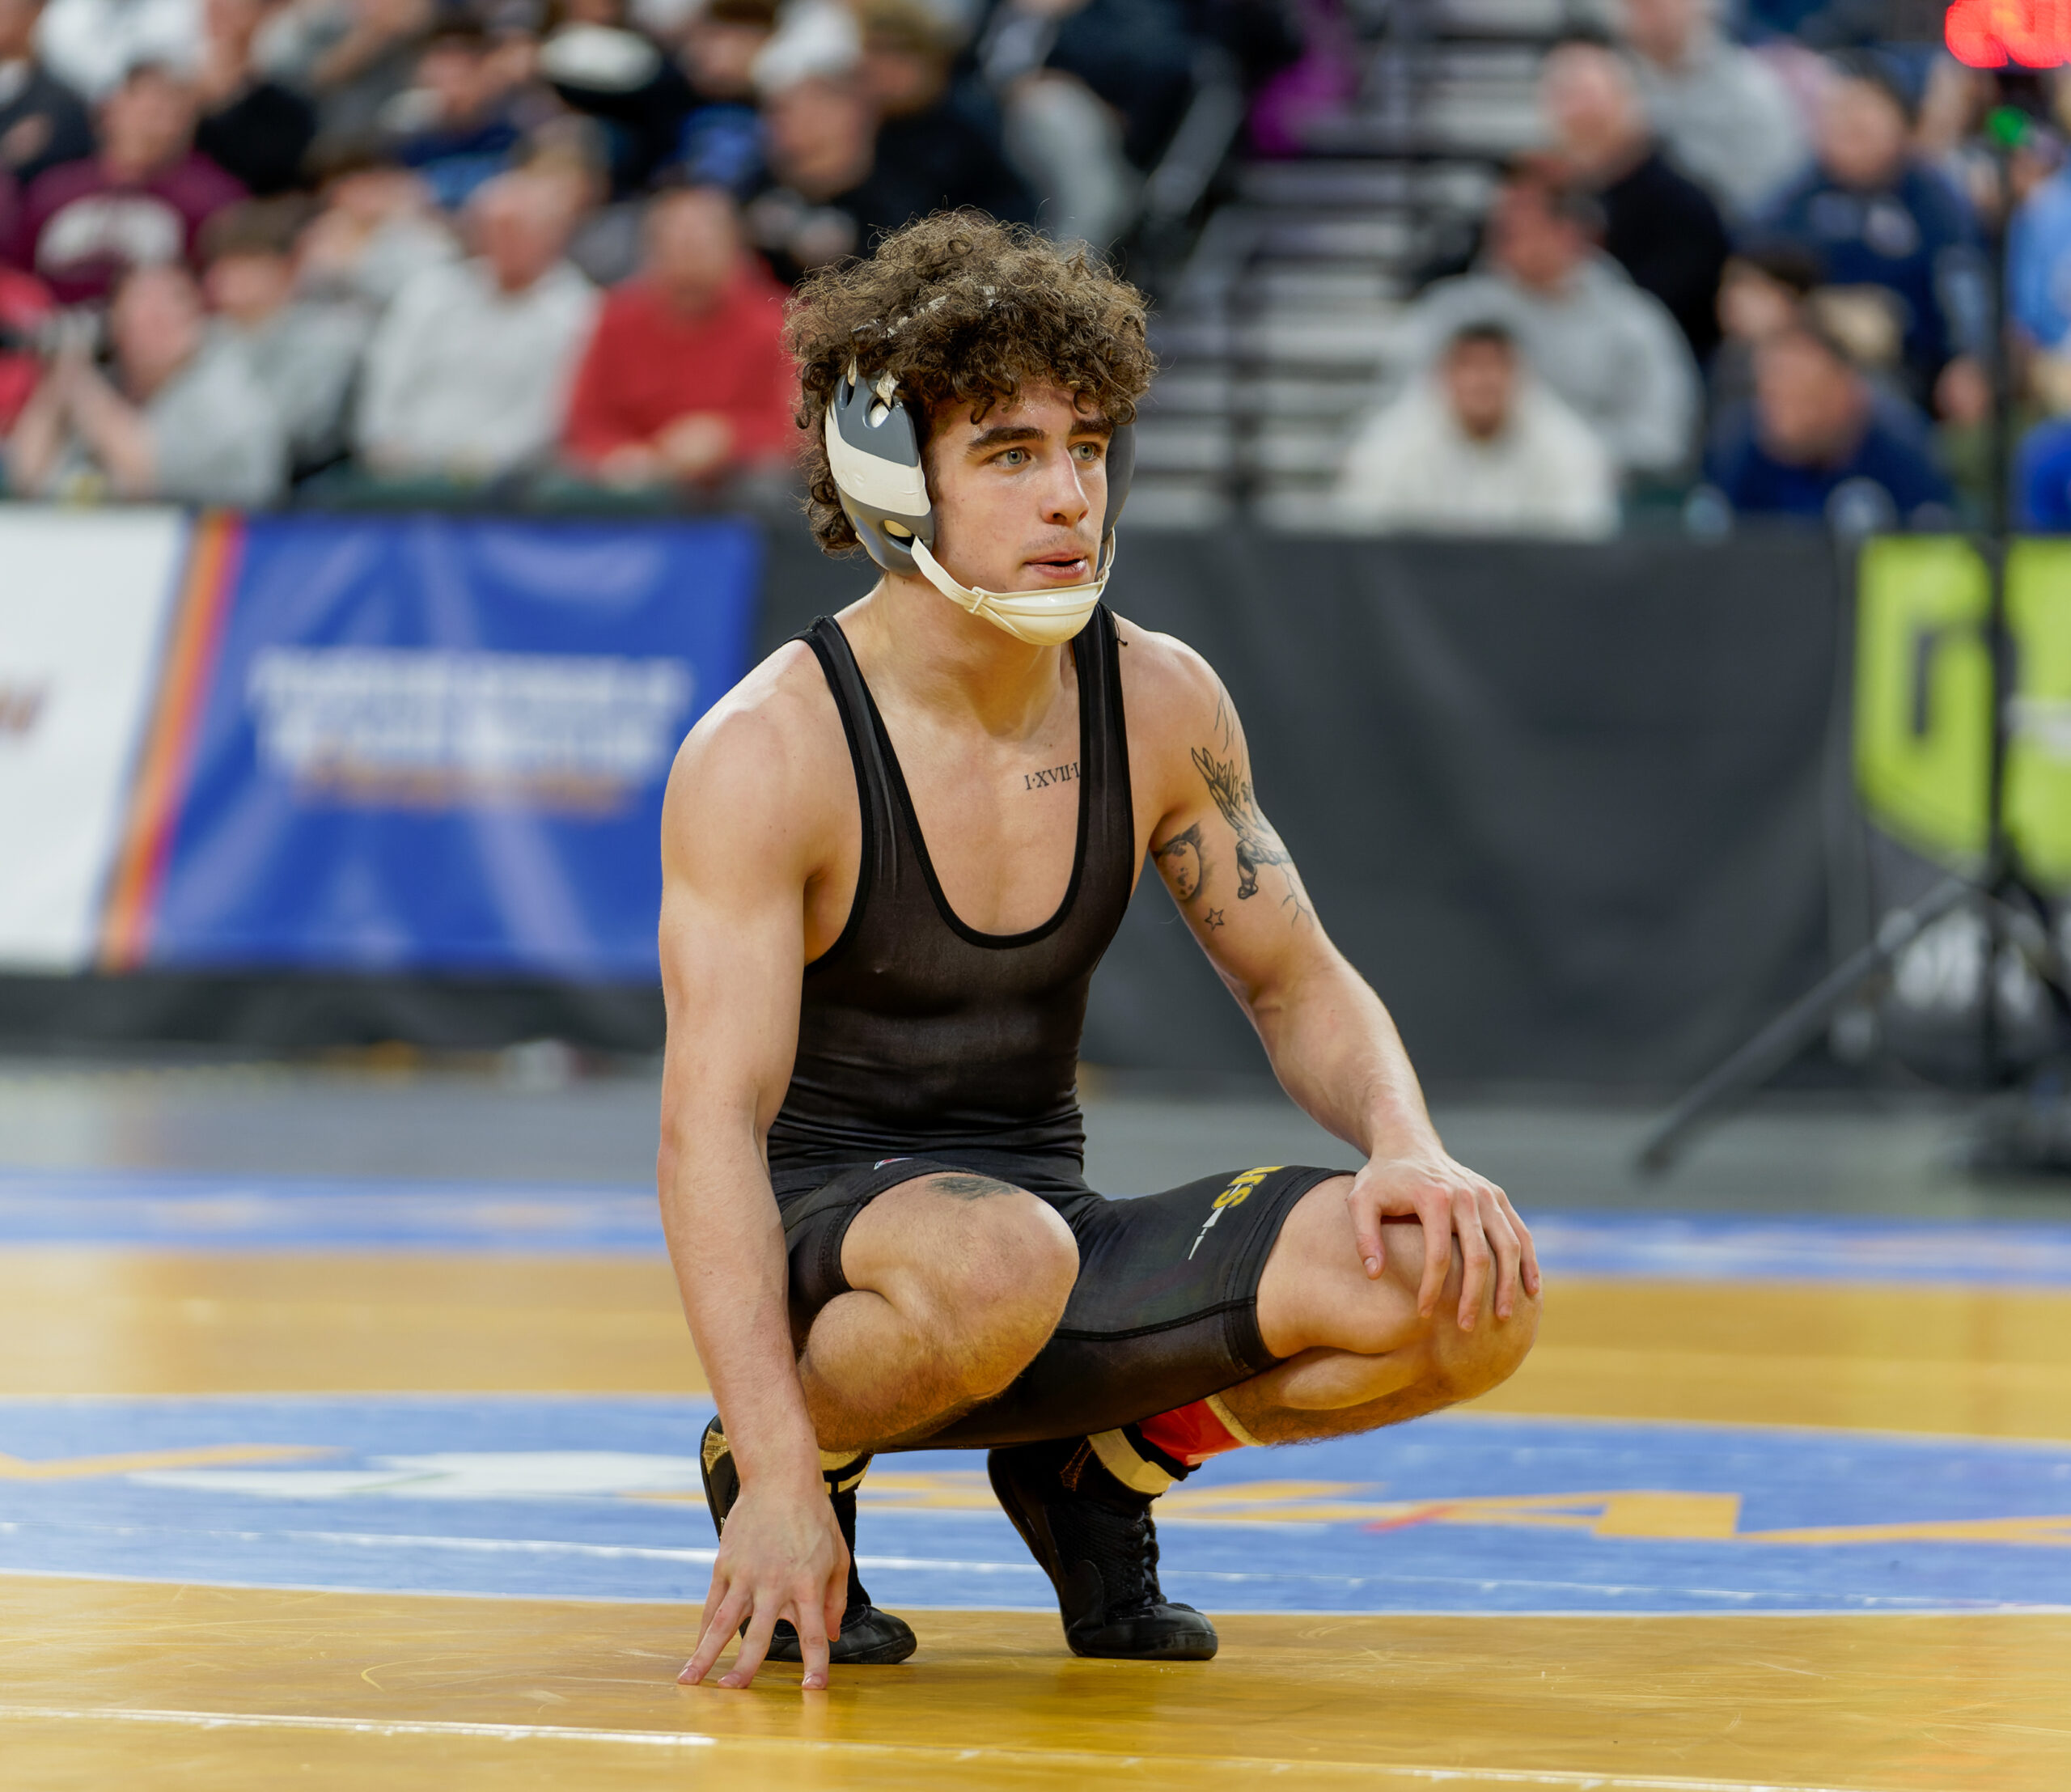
[(141, 200), (720, 142), (687, 380), (1820, 441), (829, 190), (183, 421), (43, 122), (467, 376), (1726, 117), (1659, 226), (1894, 230), (92, 46), (457, 126), (1611, 352), (250, 127), (1479, 447), (375, 229), (304, 353), (599, 64)]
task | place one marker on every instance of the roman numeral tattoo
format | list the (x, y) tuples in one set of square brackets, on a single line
[(1054, 774)]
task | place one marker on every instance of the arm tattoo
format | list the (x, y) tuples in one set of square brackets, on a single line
[(1257, 845), (1179, 859)]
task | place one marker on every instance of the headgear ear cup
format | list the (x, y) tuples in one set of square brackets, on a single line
[(1121, 467), (874, 453)]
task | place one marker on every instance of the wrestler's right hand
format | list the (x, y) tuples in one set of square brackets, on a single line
[(782, 1556)]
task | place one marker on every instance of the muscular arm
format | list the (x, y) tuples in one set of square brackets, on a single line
[(1330, 1038), (735, 867)]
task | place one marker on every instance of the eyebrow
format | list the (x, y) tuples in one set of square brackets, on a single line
[(1003, 433)]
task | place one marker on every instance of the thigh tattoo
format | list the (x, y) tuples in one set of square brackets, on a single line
[(970, 1187)]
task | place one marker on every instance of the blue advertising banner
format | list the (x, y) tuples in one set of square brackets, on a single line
[(440, 744)]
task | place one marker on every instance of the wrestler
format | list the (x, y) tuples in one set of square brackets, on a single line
[(893, 856)]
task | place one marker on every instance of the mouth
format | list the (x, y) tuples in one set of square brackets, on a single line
[(1062, 569)]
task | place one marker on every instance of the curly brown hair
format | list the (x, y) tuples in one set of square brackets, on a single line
[(960, 306)]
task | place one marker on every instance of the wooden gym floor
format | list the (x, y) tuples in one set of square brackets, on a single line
[(342, 1484)]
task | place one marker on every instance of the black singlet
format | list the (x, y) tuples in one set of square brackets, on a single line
[(919, 1037)]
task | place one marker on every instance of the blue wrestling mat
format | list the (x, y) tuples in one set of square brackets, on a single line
[(141, 1208), (597, 1498)]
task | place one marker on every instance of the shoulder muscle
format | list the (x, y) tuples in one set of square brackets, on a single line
[(1176, 705), (752, 797)]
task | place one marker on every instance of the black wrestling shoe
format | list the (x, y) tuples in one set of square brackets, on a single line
[(869, 1638), (1094, 1540)]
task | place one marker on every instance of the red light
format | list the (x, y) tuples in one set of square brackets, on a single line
[(1988, 34)]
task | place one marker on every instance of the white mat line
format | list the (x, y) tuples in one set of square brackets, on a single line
[(1730, 1598), (1583, 1781), (689, 1604)]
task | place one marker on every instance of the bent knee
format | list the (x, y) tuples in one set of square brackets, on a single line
[(998, 1271), (1022, 1257), (1471, 1363)]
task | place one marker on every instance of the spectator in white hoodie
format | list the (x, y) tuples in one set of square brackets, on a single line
[(468, 376), (1479, 447), (1611, 351)]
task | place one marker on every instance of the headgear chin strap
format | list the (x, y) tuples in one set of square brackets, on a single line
[(1047, 618), (874, 453)]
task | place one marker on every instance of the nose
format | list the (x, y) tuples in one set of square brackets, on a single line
[(1065, 500)]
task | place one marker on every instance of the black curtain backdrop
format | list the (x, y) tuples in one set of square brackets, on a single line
[(1562, 805)]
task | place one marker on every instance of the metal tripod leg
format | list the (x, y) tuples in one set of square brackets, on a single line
[(1799, 1024)]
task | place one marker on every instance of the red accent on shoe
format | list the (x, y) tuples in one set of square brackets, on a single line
[(1192, 1434)]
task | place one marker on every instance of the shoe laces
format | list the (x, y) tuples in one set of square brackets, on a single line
[(1122, 1543)]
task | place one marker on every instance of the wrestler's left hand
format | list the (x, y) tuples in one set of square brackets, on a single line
[(1451, 1201)]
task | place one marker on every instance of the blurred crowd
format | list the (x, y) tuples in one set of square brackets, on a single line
[(1742, 279), (390, 248)]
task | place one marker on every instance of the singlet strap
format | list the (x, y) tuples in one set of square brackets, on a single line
[(1111, 844), (876, 866)]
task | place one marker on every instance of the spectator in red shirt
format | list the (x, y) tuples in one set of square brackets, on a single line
[(142, 202), (686, 380), (25, 309)]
